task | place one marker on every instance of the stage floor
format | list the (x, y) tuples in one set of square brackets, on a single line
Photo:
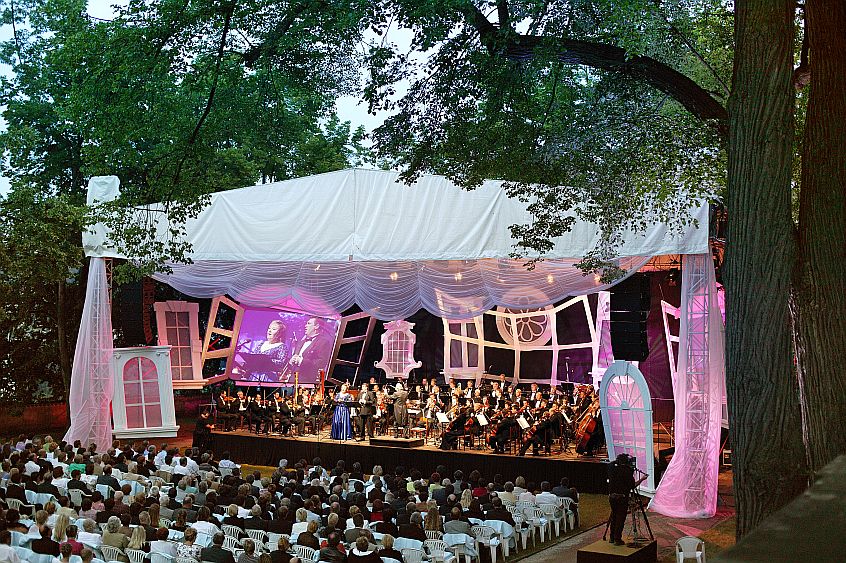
[(587, 474)]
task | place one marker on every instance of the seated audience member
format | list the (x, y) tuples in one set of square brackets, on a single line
[(161, 545), (232, 518), (45, 545), (361, 553), (87, 555), (7, 552), (499, 512), (283, 553), (255, 521), (332, 552), (71, 532), (456, 525), (414, 529), (65, 552), (249, 555), (13, 523), (187, 548), (215, 553), (433, 520), (388, 548), (387, 526), (114, 538), (138, 540), (309, 537), (88, 534), (546, 496)]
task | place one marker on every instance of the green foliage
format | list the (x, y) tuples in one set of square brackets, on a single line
[(572, 141), (177, 98)]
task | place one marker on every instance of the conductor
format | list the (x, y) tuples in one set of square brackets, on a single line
[(621, 484), (400, 410)]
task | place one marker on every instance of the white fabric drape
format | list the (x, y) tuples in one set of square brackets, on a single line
[(688, 489), (453, 289), (92, 377), (371, 216)]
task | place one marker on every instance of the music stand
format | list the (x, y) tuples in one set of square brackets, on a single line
[(260, 366)]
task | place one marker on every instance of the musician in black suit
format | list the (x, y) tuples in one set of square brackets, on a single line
[(312, 353), (399, 396), (366, 410), (455, 430), (258, 414), (224, 405)]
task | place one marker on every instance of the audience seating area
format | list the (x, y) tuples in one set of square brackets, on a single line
[(139, 503)]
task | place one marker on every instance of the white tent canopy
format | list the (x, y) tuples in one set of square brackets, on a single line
[(361, 236)]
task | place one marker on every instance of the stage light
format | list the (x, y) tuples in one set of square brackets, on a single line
[(394, 276), (549, 279), (673, 277), (597, 278), (458, 276)]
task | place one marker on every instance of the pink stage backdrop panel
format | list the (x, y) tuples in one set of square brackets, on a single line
[(274, 346)]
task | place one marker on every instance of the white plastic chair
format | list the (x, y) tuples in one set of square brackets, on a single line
[(19, 538), (304, 552), (231, 531), (537, 521), (18, 505), (76, 497), (485, 535), (111, 553), (437, 550), (257, 535), (571, 510), (161, 558), (135, 555), (690, 547), (30, 496), (554, 515), (412, 555), (231, 543), (40, 558), (105, 490), (434, 534)]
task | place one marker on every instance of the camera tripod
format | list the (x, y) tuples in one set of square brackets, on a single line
[(637, 511)]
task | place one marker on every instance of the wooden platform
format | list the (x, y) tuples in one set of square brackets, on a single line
[(606, 552), (586, 474), (397, 442)]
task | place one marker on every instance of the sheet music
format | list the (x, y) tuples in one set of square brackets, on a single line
[(522, 422), (483, 421), (442, 418)]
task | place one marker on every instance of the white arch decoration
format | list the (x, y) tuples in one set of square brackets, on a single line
[(627, 418)]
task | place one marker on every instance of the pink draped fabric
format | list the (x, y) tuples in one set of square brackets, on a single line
[(92, 377), (688, 489)]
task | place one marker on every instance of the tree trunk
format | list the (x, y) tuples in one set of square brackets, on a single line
[(820, 282), (65, 363), (768, 454)]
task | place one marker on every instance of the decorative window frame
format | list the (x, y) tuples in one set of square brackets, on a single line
[(193, 309), (160, 356)]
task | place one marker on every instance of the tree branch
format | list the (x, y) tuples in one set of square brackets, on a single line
[(685, 91), (267, 47)]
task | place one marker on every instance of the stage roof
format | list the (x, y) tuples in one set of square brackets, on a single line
[(367, 215), (357, 236)]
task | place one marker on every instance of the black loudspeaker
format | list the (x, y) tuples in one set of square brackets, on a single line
[(630, 302)]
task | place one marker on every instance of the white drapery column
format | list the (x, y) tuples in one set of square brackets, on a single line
[(688, 489), (92, 377)]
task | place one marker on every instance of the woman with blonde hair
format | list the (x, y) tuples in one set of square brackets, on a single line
[(388, 550), (138, 539), (466, 498), (62, 523), (188, 548), (40, 520)]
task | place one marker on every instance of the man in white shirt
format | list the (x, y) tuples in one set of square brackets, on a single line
[(31, 467), (7, 552), (226, 463), (87, 534), (160, 457), (519, 486), (182, 467), (546, 496)]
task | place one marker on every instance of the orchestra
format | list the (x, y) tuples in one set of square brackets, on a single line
[(500, 416)]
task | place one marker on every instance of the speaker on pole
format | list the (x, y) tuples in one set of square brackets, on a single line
[(630, 302)]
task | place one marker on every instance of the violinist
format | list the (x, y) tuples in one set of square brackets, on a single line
[(455, 430), (296, 415), (504, 422), (430, 411), (472, 427), (224, 406), (538, 435)]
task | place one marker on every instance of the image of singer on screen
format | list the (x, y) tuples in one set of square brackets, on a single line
[(312, 352), (267, 357)]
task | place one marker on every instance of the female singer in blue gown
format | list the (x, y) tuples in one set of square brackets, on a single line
[(341, 424)]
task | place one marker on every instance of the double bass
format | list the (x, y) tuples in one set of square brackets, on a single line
[(586, 426)]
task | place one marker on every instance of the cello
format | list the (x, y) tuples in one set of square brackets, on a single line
[(586, 427)]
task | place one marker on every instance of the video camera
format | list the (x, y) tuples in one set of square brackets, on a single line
[(625, 460)]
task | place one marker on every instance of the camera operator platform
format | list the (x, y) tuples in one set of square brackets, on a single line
[(623, 496)]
